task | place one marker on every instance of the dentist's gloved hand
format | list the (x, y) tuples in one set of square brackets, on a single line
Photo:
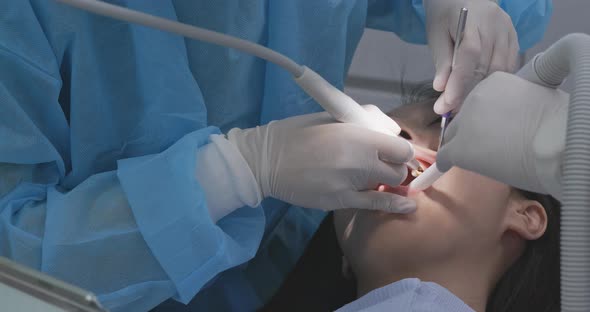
[(314, 162), (511, 130), (489, 44)]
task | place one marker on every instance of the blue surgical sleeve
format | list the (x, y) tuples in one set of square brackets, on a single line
[(406, 18), (136, 235)]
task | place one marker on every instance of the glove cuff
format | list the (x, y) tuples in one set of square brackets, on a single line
[(252, 144), (226, 178)]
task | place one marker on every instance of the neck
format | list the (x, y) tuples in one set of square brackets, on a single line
[(468, 282)]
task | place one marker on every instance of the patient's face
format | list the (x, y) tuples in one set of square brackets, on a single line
[(461, 211)]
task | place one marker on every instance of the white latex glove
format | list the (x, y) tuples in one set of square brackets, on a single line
[(511, 130), (314, 162), (489, 44)]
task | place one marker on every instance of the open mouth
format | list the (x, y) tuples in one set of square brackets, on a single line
[(425, 157), (424, 163)]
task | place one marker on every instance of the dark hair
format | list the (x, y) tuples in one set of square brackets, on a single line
[(532, 283)]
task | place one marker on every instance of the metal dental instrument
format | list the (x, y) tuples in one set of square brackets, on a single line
[(446, 117), (426, 178)]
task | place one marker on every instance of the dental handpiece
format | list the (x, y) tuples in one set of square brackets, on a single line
[(339, 105)]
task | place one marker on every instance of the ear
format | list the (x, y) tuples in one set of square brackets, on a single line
[(528, 219)]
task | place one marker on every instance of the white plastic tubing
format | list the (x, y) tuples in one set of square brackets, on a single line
[(570, 56), (189, 31), (339, 105)]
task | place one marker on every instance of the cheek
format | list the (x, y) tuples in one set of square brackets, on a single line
[(469, 193), (379, 240), (373, 240), (472, 204)]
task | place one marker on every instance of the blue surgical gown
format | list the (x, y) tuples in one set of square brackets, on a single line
[(101, 121)]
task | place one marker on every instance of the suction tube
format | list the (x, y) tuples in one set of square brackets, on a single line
[(426, 179), (571, 54), (337, 103), (189, 31)]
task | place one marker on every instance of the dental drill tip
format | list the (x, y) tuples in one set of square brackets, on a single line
[(414, 164)]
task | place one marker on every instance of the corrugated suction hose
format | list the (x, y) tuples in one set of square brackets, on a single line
[(570, 56)]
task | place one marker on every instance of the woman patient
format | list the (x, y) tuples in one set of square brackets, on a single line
[(473, 244)]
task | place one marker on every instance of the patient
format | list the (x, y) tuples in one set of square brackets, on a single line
[(466, 234), (472, 244)]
